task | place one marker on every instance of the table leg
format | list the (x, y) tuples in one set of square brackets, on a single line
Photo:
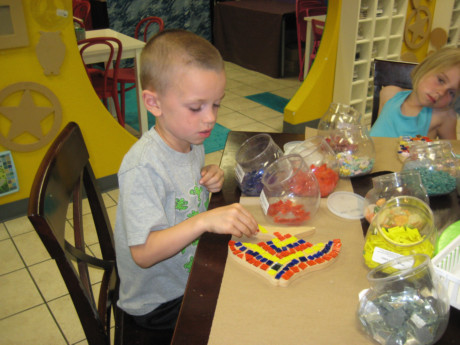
[(283, 45)]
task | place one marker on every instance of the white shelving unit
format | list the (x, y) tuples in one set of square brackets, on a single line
[(447, 17), (369, 29), (453, 34)]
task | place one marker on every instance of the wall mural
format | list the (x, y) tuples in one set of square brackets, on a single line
[(184, 14), (418, 30), (18, 105)]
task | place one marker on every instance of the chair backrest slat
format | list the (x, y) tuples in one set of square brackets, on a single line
[(60, 182), (146, 23), (388, 72)]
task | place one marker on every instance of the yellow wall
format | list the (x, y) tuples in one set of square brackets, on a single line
[(421, 52), (315, 94), (107, 141)]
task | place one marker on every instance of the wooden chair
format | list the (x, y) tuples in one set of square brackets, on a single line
[(305, 8), (128, 75), (63, 178), (317, 28), (387, 72), (105, 82)]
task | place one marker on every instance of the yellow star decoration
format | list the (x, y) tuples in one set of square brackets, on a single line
[(26, 117), (416, 34), (418, 28)]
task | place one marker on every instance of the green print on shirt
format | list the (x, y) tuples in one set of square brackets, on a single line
[(197, 191), (188, 265), (181, 204)]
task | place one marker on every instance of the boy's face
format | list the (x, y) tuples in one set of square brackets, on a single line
[(438, 89), (187, 111)]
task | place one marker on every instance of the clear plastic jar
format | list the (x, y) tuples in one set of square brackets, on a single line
[(354, 150), (386, 186), (405, 304), (436, 164), (290, 194), (403, 226), (320, 158), (254, 155), (338, 116)]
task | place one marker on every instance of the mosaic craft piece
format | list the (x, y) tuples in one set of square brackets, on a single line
[(297, 231), (406, 142), (285, 257)]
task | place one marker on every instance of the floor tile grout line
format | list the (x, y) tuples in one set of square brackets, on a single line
[(41, 294)]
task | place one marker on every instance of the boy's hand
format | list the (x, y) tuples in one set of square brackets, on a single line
[(232, 219), (212, 177)]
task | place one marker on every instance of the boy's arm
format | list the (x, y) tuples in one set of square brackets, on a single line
[(162, 244)]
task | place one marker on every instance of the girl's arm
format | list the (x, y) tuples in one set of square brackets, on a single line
[(386, 93), (446, 122)]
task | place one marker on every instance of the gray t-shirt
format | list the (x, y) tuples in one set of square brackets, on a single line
[(159, 188)]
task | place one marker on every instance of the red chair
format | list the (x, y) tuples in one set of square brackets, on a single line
[(128, 75), (105, 86), (82, 10), (317, 28), (305, 8)]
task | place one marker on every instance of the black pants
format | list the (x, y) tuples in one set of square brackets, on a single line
[(163, 317)]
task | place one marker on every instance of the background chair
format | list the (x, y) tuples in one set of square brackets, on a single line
[(82, 10), (305, 8), (105, 81), (62, 179), (128, 75), (317, 28), (386, 73)]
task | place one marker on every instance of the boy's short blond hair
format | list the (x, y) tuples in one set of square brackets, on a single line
[(171, 49), (440, 60)]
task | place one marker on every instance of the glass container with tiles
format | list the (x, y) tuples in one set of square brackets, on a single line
[(252, 158), (354, 150), (386, 186), (338, 116), (405, 304), (321, 160), (403, 226), (291, 194), (436, 164)]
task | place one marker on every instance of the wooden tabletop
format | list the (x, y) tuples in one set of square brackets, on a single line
[(202, 291)]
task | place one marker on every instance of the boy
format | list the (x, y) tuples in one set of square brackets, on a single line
[(164, 188)]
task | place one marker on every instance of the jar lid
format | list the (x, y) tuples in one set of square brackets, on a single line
[(287, 148), (346, 205)]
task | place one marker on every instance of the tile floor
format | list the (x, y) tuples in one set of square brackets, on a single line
[(35, 307)]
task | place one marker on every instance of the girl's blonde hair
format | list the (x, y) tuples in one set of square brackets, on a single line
[(170, 50), (440, 60)]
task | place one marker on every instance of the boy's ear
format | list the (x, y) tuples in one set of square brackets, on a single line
[(151, 102)]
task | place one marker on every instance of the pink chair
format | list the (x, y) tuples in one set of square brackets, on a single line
[(104, 84), (317, 28), (128, 75), (82, 10), (305, 8)]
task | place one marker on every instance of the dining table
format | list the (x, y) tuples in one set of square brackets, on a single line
[(252, 33), (225, 303), (132, 49)]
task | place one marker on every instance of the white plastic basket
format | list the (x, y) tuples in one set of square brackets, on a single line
[(447, 266)]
